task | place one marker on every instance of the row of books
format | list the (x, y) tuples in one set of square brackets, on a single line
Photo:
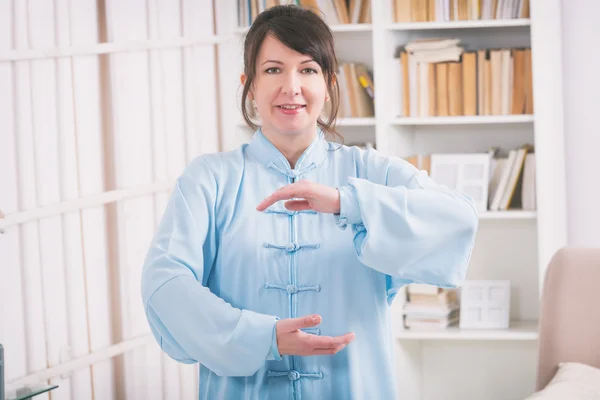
[(512, 180), (458, 10), (440, 78), (430, 308), (334, 12), (357, 91), (508, 185), (359, 11)]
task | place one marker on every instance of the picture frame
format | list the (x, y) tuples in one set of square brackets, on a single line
[(485, 304), (466, 173)]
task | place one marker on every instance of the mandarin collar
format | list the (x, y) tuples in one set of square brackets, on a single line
[(270, 156)]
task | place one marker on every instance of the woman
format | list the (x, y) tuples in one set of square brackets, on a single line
[(274, 265)]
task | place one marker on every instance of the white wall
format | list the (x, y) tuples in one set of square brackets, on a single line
[(581, 63)]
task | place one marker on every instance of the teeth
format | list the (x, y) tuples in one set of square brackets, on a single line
[(290, 107)]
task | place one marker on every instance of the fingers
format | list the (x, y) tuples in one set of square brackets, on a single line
[(297, 205), (294, 190), (293, 324), (329, 342), (326, 352), (332, 345), (293, 341), (266, 203), (284, 193)]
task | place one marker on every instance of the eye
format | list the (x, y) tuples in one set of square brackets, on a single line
[(272, 70), (309, 71)]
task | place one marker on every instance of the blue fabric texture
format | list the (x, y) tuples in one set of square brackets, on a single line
[(219, 274)]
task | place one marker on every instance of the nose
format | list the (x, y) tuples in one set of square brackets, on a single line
[(291, 84)]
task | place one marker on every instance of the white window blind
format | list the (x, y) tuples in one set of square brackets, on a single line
[(102, 104)]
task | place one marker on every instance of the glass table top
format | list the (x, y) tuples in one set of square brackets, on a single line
[(28, 391)]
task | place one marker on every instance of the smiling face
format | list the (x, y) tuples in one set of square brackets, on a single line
[(289, 90), (290, 72)]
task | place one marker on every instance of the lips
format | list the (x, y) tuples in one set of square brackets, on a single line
[(291, 109), (291, 106)]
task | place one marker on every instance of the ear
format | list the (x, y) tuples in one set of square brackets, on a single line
[(243, 78)]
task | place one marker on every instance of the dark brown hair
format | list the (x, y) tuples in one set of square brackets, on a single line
[(301, 30)]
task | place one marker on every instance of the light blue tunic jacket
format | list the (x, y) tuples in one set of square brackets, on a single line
[(219, 273)]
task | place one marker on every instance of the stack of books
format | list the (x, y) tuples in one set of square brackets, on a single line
[(357, 92), (441, 78), (430, 308), (512, 180), (458, 10)]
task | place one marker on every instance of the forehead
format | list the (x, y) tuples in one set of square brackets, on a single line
[(273, 49)]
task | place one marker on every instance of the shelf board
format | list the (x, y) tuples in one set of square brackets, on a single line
[(334, 28), (518, 330), (356, 121), (510, 214), (464, 120), (351, 27), (241, 30), (493, 23)]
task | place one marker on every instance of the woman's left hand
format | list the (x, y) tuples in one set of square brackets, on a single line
[(309, 196)]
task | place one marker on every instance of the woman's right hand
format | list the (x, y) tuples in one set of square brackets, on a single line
[(292, 341)]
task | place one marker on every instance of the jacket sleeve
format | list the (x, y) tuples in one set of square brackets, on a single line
[(191, 323), (406, 225)]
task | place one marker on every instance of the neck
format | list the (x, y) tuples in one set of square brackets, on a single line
[(291, 146)]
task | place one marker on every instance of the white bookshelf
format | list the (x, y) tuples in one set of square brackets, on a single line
[(514, 244), (352, 28), (356, 122), (507, 215), (518, 330), (464, 120), (418, 26)]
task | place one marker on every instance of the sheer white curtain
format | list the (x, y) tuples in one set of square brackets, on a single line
[(102, 104)]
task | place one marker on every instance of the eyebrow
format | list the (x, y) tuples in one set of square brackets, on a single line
[(281, 63)]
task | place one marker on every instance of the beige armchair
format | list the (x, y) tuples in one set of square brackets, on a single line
[(569, 327)]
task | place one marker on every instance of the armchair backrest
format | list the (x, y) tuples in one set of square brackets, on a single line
[(569, 327)]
